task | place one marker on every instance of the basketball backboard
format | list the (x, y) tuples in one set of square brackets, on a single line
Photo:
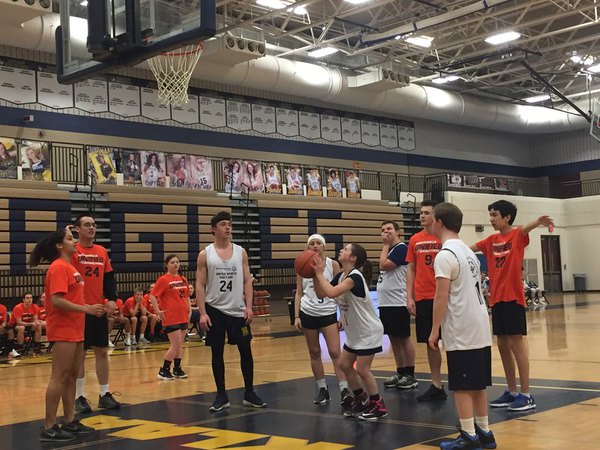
[(99, 35), (595, 125)]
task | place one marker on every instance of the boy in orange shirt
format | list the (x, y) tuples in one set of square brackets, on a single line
[(117, 317), (134, 310), (25, 316)]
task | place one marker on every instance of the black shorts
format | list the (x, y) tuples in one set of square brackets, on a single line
[(176, 327), (395, 320), (424, 320), (469, 370), (508, 318), (364, 351), (317, 322), (238, 331), (96, 331)]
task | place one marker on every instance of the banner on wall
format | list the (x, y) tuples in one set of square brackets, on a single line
[(132, 167), (232, 175), (313, 182), (458, 181), (35, 160), (293, 176), (102, 164), (334, 183), (201, 173), (352, 184), (272, 179), (153, 169), (179, 170), (252, 176), (8, 158)]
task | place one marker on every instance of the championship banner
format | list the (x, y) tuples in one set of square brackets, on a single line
[(201, 173), (313, 183), (252, 176), (334, 184), (352, 184), (153, 169), (293, 176), (132, 167), (8, 158), (179, 171), (232, 175), (273, 179), (35, 157), (102, 162)]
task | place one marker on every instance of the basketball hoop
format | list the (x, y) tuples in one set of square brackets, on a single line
[(173, 71)]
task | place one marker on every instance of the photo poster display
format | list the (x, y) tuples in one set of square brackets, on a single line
[(132, 167), (232, 175), (8, 158), (253, 176), (201, 173), (153, 169), (293, 176), (272, 179), (477, 182), (454, 180), (352, 184), (334, 183), (35, 160), (179, 170), (313, 182), (102, 164)]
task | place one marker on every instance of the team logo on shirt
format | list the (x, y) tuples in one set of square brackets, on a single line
[(78, 277), (472, 266), (90, 259), (501, 248)]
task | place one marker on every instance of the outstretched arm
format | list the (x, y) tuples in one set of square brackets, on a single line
[(545, 221)]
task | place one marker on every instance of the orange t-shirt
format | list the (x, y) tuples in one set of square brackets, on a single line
[(128, 307), (422, 250), (42, 312), (25, 314), (3, 314), (64, 279), (504, 254), (118, 306), (92, 262), (148, 304), (173, 294)]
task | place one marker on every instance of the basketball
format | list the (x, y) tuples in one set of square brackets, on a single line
[(303, 264)]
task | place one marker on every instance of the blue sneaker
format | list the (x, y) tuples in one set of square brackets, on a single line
[(522, 403), (486, 438), (463, 442), (506, 399)]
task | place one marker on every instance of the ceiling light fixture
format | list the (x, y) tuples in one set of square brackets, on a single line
[(586, 61), (273, 4), (503, 38), (594, 69), (357, 2), (537, 98), (445, 79), (321, 52), (420, 41)]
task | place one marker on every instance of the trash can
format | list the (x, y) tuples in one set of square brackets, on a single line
[(579, 280)]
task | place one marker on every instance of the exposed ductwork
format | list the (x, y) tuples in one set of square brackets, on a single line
[(330, 84)]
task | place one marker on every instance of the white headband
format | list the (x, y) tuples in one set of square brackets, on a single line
[(317, 237)]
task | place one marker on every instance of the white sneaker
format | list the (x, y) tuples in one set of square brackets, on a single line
[(110, 344), (143, 340), (133, 341), (14, 354), (127, 341)]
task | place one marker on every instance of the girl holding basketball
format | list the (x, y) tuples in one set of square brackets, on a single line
[(172, 290), (364, 331), (314, 315)]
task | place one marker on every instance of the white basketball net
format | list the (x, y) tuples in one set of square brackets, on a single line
[(173, 71)]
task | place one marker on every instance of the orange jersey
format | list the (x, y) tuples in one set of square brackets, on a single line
[(173, 294), (92, 262), (42, 313), (3, 314), (422, 250), (504, 254), (25, 314), (128, 307), (64, 279), (148, 304)]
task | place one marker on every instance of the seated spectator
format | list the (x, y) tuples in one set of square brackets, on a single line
[(136, 313), (8, 332), (42, 310), (25, 316), (195, 316), (151, 314), (117, 317)]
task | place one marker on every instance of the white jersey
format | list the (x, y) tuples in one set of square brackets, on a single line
[(466, 324), (311, 304), (352, 185), (152, 175), (272, 179), (336, 185), (363, 328), (391, 284), (225, 281), (314, 183)]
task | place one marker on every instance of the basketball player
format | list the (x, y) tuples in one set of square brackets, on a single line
[(314, 315), (391, 298), (459, 308), (420, 288), (504, 252), (92, 262), (224, 294)]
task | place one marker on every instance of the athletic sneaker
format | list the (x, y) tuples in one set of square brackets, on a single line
[(359, 405), (178, 372), (165, 375), (76, 427), (407, 382), (504, 400), (522, 403), (127, 341), (322, 397), (433, 394), (82, 405), (143, 340), (107, 401), (14, 354), (346, 399), (253, 400), (133, 341), (486, 438), (221, 402), (111, 344), (392, 382), (375, 410), (463, 442), (55, 434)]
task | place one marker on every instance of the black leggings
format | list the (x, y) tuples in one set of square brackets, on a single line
[(246, 363)]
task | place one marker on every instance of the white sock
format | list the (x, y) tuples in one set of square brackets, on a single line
[(321, 383), (483, 423), (128, 334), (103, 389), (343, 385), (514, 394), (79, 387), (468, 426), (526, 394)]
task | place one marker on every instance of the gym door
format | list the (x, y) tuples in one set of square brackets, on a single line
[(551, 265)]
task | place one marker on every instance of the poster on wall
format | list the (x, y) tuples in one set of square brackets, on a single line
[(313, 183), (179, 170), (35, 158), (201, 173), (232, 171), (471, 181), (102, 163), (334, 183), (132, 172), (501, 184), (293, 176), (272, 179), (153, 169), (252, 176), (454, 180), (352, 184), (8, 158)]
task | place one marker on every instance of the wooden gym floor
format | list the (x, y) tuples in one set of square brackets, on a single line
[(565, 367)]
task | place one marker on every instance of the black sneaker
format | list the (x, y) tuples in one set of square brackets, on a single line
[(486, 439), (433, 394), (359, 405), (55, 434), (179, 373), (107, 401), (82, 405), (220, 403), (346, 399), (165, 375), (322, 397), (253, 400), (76, 427)]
